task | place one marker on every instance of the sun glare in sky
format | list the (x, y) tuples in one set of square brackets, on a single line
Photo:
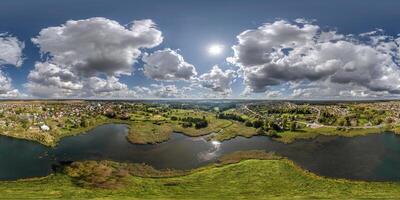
[(215, 49)]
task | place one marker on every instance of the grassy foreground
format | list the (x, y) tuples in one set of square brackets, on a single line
[(271, 178)]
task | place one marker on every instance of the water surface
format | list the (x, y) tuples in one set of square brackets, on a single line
[(371, 157)]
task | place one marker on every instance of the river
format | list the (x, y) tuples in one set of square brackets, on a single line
[(372, 157)]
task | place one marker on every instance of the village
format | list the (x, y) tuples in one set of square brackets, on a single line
[(49, 121), (338, 115)]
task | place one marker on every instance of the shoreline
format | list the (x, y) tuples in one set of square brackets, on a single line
[(221, 162), (146, 180), (163, 135)]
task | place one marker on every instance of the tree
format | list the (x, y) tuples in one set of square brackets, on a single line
[(274, 126), (25, 123), (342, 121), (110, 114), (258, 124), (201, 124), (293, 126), (187, 124), (84, 122), (284, 123), (248, 123), (261, 131)]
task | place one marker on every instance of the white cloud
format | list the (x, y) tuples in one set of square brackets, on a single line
[(51, 74), (329, 90), (10, 50), (10, 54), (79, 52), (48, 80), (218, 80), (97, 45), (273, 94), (108, 88), (167, 65), (282, 52), (159, 91), (5, 84)]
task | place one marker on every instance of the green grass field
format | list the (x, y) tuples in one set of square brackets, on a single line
[(309, 133), (233, 130), (271, 178), (147, 132)]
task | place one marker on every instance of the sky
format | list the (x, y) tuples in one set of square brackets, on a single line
[(200, 49)]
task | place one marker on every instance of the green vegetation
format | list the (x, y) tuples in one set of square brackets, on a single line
[(238, 176), (309, 133), (48, 121), (147, 132), (233, 130)]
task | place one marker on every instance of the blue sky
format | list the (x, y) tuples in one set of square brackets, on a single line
[(189, 27)]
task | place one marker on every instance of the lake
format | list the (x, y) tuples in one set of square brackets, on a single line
[(371, 157)]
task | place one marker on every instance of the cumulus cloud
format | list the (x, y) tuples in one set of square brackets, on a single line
[(77, 53), (329, 90), (274, 94), (301, 52), (218, 80), (51, 74), (159, 91), (49, 80), (97, 45), (10, 50), (167, 65), (6, 88), (10, 54)]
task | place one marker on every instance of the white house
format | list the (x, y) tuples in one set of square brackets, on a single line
[(44, 127)]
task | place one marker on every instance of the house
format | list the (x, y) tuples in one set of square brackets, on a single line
[(44, 127)]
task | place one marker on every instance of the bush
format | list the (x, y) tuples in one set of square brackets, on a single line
[(187, 124), (293, 126), (198, 122), (97, 174), (273, 134), (174, 118), (248, 123), (110, 114), (201, 124), (258, 124)]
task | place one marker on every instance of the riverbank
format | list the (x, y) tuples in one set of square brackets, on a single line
[(149, 128), (147, 132), (152, 131), (310, 133), (238, 176), (47, 122), (51, 138)]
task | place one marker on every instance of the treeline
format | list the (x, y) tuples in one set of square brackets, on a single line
[(281, 109), (303, 111), (190, 121), (326, 118), (231, 117), (263, 125)]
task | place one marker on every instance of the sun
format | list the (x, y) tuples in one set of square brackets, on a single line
[(215, 49)]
